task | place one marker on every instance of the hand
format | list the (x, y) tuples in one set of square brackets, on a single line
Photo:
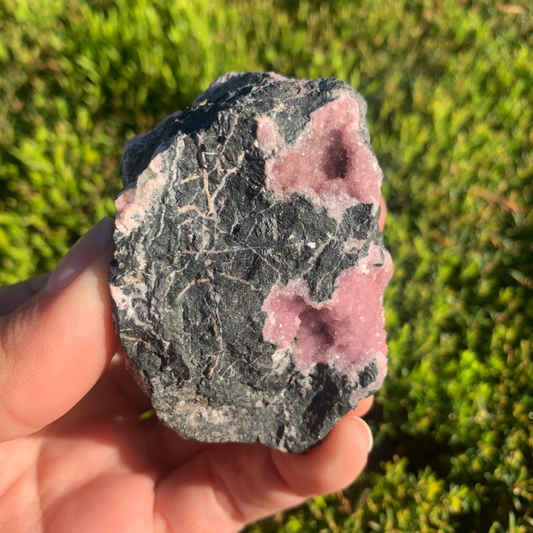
[(74, 454)]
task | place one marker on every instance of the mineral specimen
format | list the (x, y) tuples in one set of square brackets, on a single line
[(249, 267)]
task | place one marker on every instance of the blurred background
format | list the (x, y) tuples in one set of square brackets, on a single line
[(449, 86)]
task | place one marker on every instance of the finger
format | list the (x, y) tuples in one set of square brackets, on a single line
[(382, 214), (228, 486), (331, 466), (54, 348), (14, 296), (115, 396), (222, 489)]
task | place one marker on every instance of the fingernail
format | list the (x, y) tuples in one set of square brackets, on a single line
[(80, 256), (370, 436), (369, 432)]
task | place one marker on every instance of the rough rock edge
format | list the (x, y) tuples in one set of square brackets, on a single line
[(178, 405)]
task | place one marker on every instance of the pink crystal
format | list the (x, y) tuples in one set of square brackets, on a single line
[(345, 331), (329, 163)]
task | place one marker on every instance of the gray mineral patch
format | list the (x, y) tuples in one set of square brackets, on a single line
[(249, 267)]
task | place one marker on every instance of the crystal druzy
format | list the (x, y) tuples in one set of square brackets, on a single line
[(249, 268)]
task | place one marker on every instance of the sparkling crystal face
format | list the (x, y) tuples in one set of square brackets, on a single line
[(346, 330), (329, 163)]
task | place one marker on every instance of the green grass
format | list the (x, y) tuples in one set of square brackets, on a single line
[(450, 91)]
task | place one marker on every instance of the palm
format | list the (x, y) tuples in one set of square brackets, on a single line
[(99, 468)]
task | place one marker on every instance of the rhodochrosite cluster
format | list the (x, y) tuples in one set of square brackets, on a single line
[(249, 268)]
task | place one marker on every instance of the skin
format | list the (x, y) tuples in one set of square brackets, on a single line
[(75, 455)]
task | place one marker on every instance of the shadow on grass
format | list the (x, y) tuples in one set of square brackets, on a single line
[(421, 451)]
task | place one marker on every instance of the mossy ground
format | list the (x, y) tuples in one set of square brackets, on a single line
[(450, 91)]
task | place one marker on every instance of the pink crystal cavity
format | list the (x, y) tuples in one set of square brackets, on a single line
[(329, 163), (345, 331)]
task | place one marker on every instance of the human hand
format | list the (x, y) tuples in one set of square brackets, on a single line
[(74, 454)]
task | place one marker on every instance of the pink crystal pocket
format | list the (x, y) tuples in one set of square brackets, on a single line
[(329, 163), (345, 331)]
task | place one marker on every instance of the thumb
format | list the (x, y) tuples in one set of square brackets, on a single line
[(54, 348)]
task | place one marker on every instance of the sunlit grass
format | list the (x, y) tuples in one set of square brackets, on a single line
[(449, 89)]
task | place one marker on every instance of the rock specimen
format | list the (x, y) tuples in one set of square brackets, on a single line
[(249, 268)]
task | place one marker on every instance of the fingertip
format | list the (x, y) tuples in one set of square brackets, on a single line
[(91, 245), (363, 407), (366, 428), (330, 466)]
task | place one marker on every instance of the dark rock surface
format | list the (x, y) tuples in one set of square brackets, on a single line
[(216, 233)]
